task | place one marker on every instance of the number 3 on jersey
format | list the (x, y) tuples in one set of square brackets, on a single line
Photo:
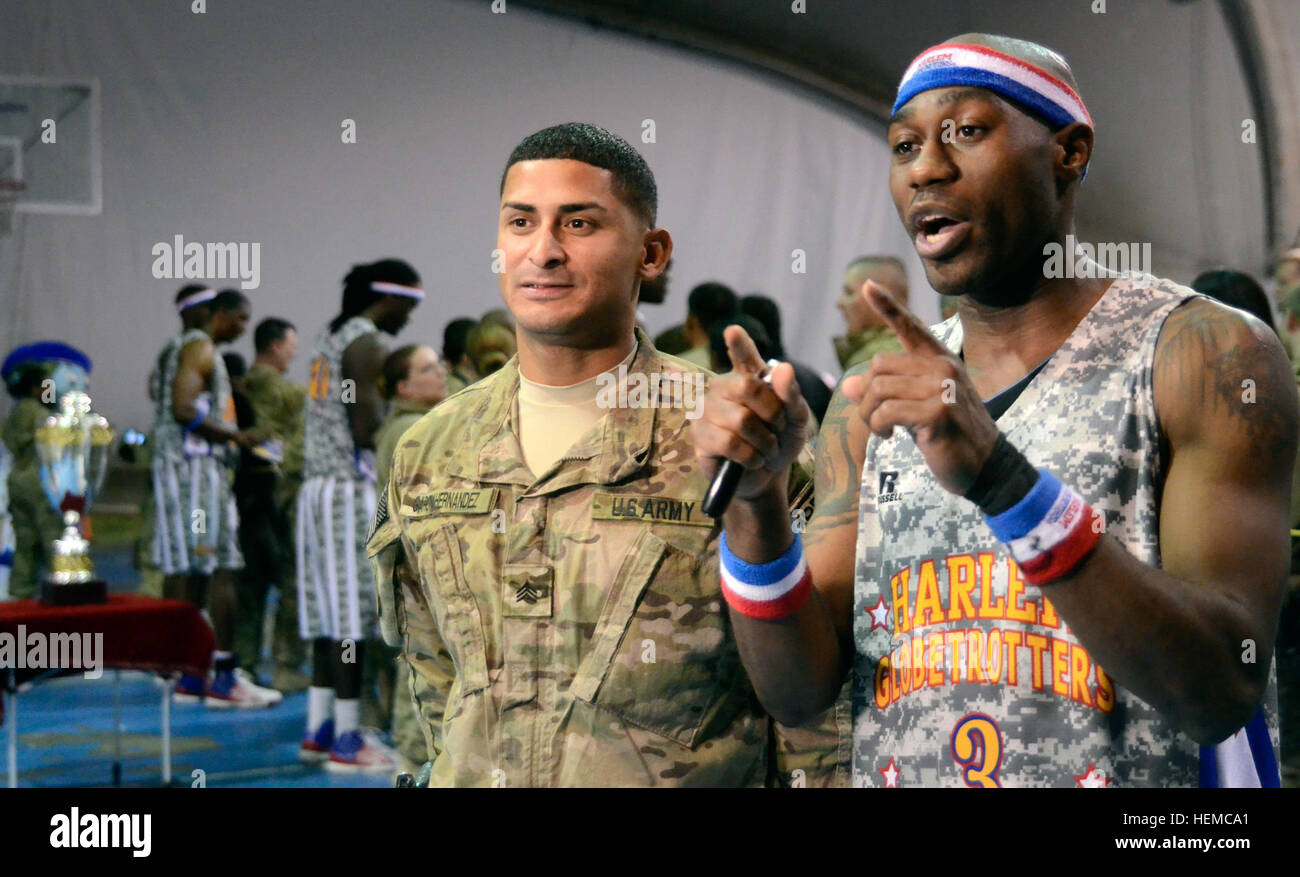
[(977, 747), (319, 385)]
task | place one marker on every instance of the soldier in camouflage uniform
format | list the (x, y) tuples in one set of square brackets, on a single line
[(336, 598), (267, 495), (459, 367), (867, 334), (33, 374), (1005, 629), (414, 381), (541, 551)]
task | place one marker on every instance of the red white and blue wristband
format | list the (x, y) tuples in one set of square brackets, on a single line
[(1049, 532), (768, 591)]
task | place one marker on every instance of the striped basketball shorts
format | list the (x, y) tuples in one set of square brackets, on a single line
[(336, 588), (196, 524)]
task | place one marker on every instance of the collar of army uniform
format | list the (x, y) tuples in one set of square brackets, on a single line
[(614, 452), (847, 345), (408, 406)]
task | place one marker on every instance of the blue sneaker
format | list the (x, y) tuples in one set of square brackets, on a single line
[(189, 689), (230, 689), (361, 752), (316, 747)]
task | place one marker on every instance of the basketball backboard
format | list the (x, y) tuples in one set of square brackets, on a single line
[(49, 142)]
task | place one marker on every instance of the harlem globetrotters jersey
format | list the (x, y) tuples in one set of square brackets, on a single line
[(965, 674), (328, 448), (171, 440)]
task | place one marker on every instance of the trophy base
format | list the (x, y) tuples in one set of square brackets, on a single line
[(74, 594)]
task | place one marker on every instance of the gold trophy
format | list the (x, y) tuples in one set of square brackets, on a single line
[(73, 448)]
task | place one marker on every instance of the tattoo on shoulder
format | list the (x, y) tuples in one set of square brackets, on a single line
[(1214, 363)]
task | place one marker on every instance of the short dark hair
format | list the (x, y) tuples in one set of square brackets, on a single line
[(767, 312), (1237, 290), (711, 302), (634, 184), (269, 331), (229, 300), (453, 338), (752, 327), (397, 367)]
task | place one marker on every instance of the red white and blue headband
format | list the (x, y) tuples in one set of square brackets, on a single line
[(383, 286), (195, 298), (1019, 81)]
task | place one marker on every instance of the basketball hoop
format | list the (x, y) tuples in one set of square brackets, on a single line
[(10, 191)]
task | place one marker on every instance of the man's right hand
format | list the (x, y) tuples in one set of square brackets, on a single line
[(761, 426)]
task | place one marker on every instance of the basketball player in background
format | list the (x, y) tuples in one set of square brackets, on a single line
[(1067, 559), (196, 538), (336, 591)]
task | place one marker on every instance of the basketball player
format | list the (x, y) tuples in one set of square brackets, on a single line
[(196, 538), (336, 591), (1071, 539), (194, 307)]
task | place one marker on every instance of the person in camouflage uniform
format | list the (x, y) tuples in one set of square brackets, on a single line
[(867, 333), (267, 489), (541, 551), (1004, 629), (34, 377), (414, 380), (457, 364)]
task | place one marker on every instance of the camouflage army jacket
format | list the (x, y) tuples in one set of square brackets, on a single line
[(567, 629), (860, 347)]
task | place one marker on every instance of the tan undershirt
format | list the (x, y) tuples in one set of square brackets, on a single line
[(552, 419)]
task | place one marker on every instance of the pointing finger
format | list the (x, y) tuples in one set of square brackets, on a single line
[(742, 351), (914, 335)]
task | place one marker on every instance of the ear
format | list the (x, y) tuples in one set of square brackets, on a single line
[(657, 249), (1074, 142)]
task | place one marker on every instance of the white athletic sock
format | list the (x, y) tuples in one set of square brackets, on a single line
[(347, 715), (320, 703)]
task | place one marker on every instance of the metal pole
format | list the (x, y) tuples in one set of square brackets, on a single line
[(167, 731), (117, 727), (11, 716)]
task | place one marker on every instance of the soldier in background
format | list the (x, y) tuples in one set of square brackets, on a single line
[(867, 333), (35, 376), (267, 489), (414, 380), (541, 549), (457, 364)]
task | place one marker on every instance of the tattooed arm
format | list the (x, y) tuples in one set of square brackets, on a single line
[(1179, 637), (797, 665)]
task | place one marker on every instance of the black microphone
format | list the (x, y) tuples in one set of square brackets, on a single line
[(723, 486)]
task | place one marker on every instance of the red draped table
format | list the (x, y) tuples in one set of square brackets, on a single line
[(138, 633)]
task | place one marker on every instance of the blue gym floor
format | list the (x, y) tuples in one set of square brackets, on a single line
[(65, 738)]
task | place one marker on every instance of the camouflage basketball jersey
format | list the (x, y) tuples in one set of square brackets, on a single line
[(171, 441), (965, 674), (329, 449)]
